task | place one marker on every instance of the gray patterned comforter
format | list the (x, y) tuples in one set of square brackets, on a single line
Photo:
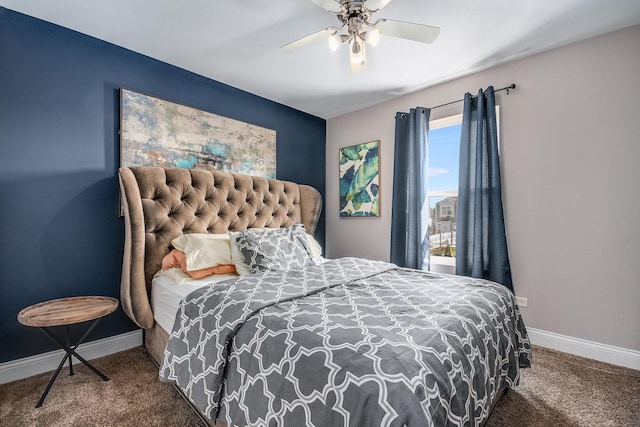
[(350, 342)]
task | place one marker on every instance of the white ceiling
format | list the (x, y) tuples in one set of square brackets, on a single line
[(237, 42)]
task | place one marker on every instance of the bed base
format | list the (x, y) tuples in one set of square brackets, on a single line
[(496, 400), (155, 341)]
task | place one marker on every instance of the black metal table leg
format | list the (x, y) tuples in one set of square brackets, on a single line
[(70, 353), (51, 381), (68, 341)]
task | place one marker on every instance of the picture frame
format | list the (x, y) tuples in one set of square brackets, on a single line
[(157, 132), (359, 180)]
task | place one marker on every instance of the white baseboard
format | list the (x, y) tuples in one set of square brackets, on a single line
[(34, 365), (579, 347)]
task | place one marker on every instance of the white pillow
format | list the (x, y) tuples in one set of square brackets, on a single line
[(204, 250)]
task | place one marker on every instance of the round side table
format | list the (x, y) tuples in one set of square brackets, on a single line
[(65, 312)]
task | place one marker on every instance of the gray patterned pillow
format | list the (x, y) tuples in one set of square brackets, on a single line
[(275, 248)]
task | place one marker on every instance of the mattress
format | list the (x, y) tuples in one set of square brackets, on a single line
[(169, 287)]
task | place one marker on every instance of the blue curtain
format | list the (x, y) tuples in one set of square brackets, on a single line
[(481, 242), (409, 229)]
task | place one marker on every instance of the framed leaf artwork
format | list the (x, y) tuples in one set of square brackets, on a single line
[(360, 180)]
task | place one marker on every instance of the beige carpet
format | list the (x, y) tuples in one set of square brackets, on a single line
[(133, 396), (565, 390), (559, 390)]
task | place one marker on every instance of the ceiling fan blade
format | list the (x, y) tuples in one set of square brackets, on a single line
[(322, 34), (330, 5), (375, 5), (408, 30)]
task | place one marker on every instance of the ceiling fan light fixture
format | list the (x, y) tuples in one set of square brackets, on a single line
[(335, 41), (356, 52), (373, 37)]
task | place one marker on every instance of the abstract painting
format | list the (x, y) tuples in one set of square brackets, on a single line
[(155, 132), (360, 180)]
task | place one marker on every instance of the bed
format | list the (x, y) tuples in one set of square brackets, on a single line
[(329, 342)]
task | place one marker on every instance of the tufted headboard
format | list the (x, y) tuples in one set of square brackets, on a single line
[(162, 203)]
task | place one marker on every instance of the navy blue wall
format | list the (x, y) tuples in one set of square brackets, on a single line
[(60, 234)]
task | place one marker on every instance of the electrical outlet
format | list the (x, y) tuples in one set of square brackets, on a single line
[(522, 302)]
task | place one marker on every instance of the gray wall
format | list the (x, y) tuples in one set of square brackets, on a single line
[(570, 147)]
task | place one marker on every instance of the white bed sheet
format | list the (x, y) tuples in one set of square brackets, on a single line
[(167, 290)]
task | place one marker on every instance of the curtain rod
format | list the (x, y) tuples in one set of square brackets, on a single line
[(507, 88)]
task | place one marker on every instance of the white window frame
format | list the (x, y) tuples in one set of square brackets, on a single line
[(446, 211)]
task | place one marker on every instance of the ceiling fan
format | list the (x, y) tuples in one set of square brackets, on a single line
[(357, 29)]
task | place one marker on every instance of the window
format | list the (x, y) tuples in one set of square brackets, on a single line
[(446, 211), (444, 157), (444, 164)]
